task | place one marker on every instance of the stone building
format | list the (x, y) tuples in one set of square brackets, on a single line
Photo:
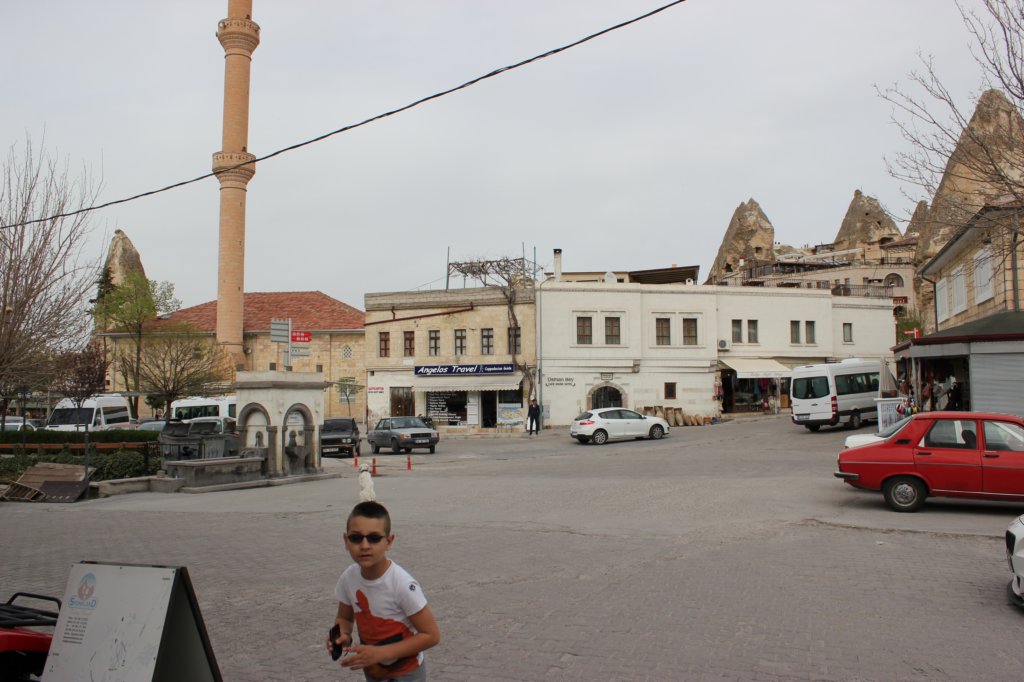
[(336, 346), (454, 355)]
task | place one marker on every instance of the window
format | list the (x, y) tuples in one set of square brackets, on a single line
[(670, 390), (958, 284), (584, 330), (515, 341), (434, 342), (983, 276), (460, 341), (847, 332), (794, 331), (942, 300), (737, 331), (810, 388), (487, 341), (662, 331), (864, 382), (751, 331), (690, 331), (612, 331), (410, 344), (809, 332), (384, 344)]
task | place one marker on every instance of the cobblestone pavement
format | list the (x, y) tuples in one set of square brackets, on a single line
[(724, 552)]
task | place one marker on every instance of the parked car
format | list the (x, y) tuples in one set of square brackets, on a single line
[(18, 424), (1015, 557), (835, 393), (339, 437), (858, 439), (608, 423), (401, 434), (944, 454)]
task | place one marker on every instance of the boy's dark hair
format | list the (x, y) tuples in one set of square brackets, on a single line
[(371, 510)]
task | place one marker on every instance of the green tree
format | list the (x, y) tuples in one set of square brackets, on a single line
[(908, 323), (348, 389), (128, 307)]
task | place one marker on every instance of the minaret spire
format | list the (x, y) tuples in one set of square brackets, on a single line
[(239, 35)]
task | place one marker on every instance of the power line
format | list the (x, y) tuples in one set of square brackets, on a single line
[(436, 95)]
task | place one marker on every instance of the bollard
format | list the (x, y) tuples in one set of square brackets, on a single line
[(408, 462), (373, 470), (355, 461)]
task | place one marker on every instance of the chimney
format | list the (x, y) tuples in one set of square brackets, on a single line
[(558, 264)]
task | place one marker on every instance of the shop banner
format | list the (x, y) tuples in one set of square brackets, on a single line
[(461, 370)]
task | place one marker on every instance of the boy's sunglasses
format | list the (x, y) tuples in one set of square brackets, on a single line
[(357, 538)]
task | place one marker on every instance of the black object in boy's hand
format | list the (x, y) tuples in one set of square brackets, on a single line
[(336, 648)]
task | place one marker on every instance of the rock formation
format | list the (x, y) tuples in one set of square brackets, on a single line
[(750, 237), (917, 220), (122, 258), (866, 223)]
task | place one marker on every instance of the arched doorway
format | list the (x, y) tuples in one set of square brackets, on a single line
[(606, 396)]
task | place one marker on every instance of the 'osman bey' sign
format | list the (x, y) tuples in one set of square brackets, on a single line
[(460, 370)]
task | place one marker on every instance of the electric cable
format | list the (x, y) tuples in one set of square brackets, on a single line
[(319, 138)]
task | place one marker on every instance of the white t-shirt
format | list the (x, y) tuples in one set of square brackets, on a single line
[(382, 607)]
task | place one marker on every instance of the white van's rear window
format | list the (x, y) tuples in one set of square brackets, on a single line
[(808, 388)]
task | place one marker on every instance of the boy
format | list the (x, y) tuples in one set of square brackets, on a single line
[(386, 603)]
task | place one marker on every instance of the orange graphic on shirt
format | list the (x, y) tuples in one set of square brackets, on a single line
[(373, 630)]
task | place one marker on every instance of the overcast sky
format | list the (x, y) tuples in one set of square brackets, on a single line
[(629, 152)]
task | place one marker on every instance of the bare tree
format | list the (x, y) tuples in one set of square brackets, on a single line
[(511, 276), (128, 307), (81, 375), (178, 361), (44, 277)]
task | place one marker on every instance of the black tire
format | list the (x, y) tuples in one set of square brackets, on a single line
[(395, 448), (431, 449), (814, 428), (904, 493), (855, 421), (1014, 599), (600, 437), (374, 448), (657, 432), (583, 439)]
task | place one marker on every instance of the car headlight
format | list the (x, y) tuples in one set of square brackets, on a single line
[(403, 436)]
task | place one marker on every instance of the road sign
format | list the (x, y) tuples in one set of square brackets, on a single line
[(302, 337), (280, 331), (300, 348), (301, 354)]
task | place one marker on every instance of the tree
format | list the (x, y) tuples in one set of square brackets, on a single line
[(128, 307), (348, 389), (44, 277), (178, 361), (81, 375)]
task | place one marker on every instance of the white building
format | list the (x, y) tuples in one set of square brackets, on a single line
[(703, 349)]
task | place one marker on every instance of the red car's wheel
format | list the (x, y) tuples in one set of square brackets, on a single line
[(904, 493)]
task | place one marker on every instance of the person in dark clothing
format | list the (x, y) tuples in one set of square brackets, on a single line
[(533, 418)]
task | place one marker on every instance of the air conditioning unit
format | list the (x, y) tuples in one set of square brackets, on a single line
[(723, 344)]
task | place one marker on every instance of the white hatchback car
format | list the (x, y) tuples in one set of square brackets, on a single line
[(1015, 557), (888, 432), (607, 423)]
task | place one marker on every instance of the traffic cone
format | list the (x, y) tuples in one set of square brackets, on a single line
[(373, 470), (355, 461), (408, 462)]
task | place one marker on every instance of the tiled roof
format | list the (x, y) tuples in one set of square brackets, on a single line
[(308, 310)]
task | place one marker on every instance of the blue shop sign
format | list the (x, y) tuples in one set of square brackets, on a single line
[(461, 370)]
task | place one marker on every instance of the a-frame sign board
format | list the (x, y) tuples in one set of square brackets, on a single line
[(128, 623)]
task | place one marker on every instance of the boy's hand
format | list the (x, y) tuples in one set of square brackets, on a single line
[(336, 641), (364, 657)]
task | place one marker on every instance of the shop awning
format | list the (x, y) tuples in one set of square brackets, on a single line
[(757, 368), (484, 382)]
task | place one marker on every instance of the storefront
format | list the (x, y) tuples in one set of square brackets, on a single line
[(470, 397), (754, 384)]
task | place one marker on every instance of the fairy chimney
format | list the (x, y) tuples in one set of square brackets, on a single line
[(917, 220), (750, 237), (122, 258), (865, 227)]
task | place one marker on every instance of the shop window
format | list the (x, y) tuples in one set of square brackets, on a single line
[(584, 330), (794, 331), (737, 331), (809, 332), (663, 331), (612, 331), (460, 341), (670, 390), (751, 331), (384, 344), (515, 341), (410, 344), (434, 342), (447, 407), (487, 341), (690, 331), (847, 332)]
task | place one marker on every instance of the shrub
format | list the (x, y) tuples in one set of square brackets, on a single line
[(109, 465)]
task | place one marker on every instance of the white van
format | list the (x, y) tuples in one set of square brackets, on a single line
[(100, 412), (835, 393), (204, 406)]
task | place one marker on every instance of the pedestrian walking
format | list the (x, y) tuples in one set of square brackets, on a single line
[(533, 418)]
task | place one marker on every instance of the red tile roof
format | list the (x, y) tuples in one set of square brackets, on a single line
[(308, 310)]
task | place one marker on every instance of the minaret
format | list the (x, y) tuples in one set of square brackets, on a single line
[(239, 36)]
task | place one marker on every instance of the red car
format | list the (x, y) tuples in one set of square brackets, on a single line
[(946, 454)]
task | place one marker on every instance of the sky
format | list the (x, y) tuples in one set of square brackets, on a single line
[(629, 152)]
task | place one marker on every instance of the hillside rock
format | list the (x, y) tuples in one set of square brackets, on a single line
[(917, 220), (865, 224), (122, 258), (750, 237)]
